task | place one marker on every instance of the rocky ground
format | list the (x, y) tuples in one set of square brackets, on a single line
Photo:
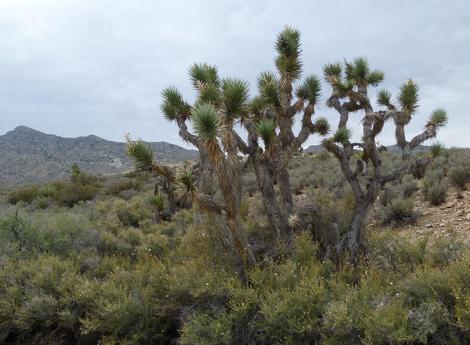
[(452, 218)]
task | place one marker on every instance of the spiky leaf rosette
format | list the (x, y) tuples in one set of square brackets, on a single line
[(346, 86), (383, 98), (309, 90), (438, 118), (342, 135), (321, 126), (210, 93), (288, 42), (142, 154), (375, 77), (235, 96), (269, 88), (205, 121), (359, 70), (408, 97), (203, 73), (256, 105), (173, 104), (186, 181), (288, 48), (207, 125), (333, 71), (158, 200), (266, 129), (437, 150)]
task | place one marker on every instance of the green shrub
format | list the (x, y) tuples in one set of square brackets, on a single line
[(398, 212), (75, 192), (23, 194), (435, 188), (459, 177), (123, 184)]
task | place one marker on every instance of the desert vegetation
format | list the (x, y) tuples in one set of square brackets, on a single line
[(257, 242)]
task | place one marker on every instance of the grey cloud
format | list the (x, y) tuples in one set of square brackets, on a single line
[(77, 67)]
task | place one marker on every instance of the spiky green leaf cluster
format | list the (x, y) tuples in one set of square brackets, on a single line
[(408, 97), (173, 104), (359, 69), (342, 135), (256, 105), (439, 118), (288, 47), (158, 200), (203, 74), (383, 98), (266, 129), (268, 87), (333, 71), (437, 150), (210, 93), (375, 77), (206, 121), (142, 154), (235, 96), (322, 126), (310, 89), (185, 179), (288, 42), (345, 87)]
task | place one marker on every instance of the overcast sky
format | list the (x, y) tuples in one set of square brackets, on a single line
[(79, 67)]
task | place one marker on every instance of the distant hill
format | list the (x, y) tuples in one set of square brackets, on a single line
[(28, 156)]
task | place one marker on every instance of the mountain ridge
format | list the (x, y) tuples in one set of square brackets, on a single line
[(29, 156)]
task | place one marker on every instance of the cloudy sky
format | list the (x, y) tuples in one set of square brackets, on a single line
[(79, 67)]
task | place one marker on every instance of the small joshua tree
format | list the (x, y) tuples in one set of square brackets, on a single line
[(144, 162), (350, 84)]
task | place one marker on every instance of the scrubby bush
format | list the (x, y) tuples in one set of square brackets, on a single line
[(123, 184), (459, 177), (398, 212), (435, 187), (23, 194)]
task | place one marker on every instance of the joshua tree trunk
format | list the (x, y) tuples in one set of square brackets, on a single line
[(276, 216), (286, 194), (206, 175), (157, 217)]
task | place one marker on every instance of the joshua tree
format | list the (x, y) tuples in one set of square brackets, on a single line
[(269, 116), (158, 201), (350, 84), (220, 104), (144, 162), (271, 119), (205, 80), (278, 103)]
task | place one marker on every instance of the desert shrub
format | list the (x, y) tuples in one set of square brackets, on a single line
[(123, 184), (60, 234), (23, 194), (459, 177), (409, 185), (434, 187), (75, 192), (398, 212)]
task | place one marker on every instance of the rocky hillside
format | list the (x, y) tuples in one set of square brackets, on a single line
[(28, 156)]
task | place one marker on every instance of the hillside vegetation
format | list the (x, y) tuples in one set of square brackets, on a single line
[(103, 272)]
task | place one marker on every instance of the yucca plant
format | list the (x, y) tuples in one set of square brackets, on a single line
[(158, 202), (220, 104), (350, 83), (144, 161)]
